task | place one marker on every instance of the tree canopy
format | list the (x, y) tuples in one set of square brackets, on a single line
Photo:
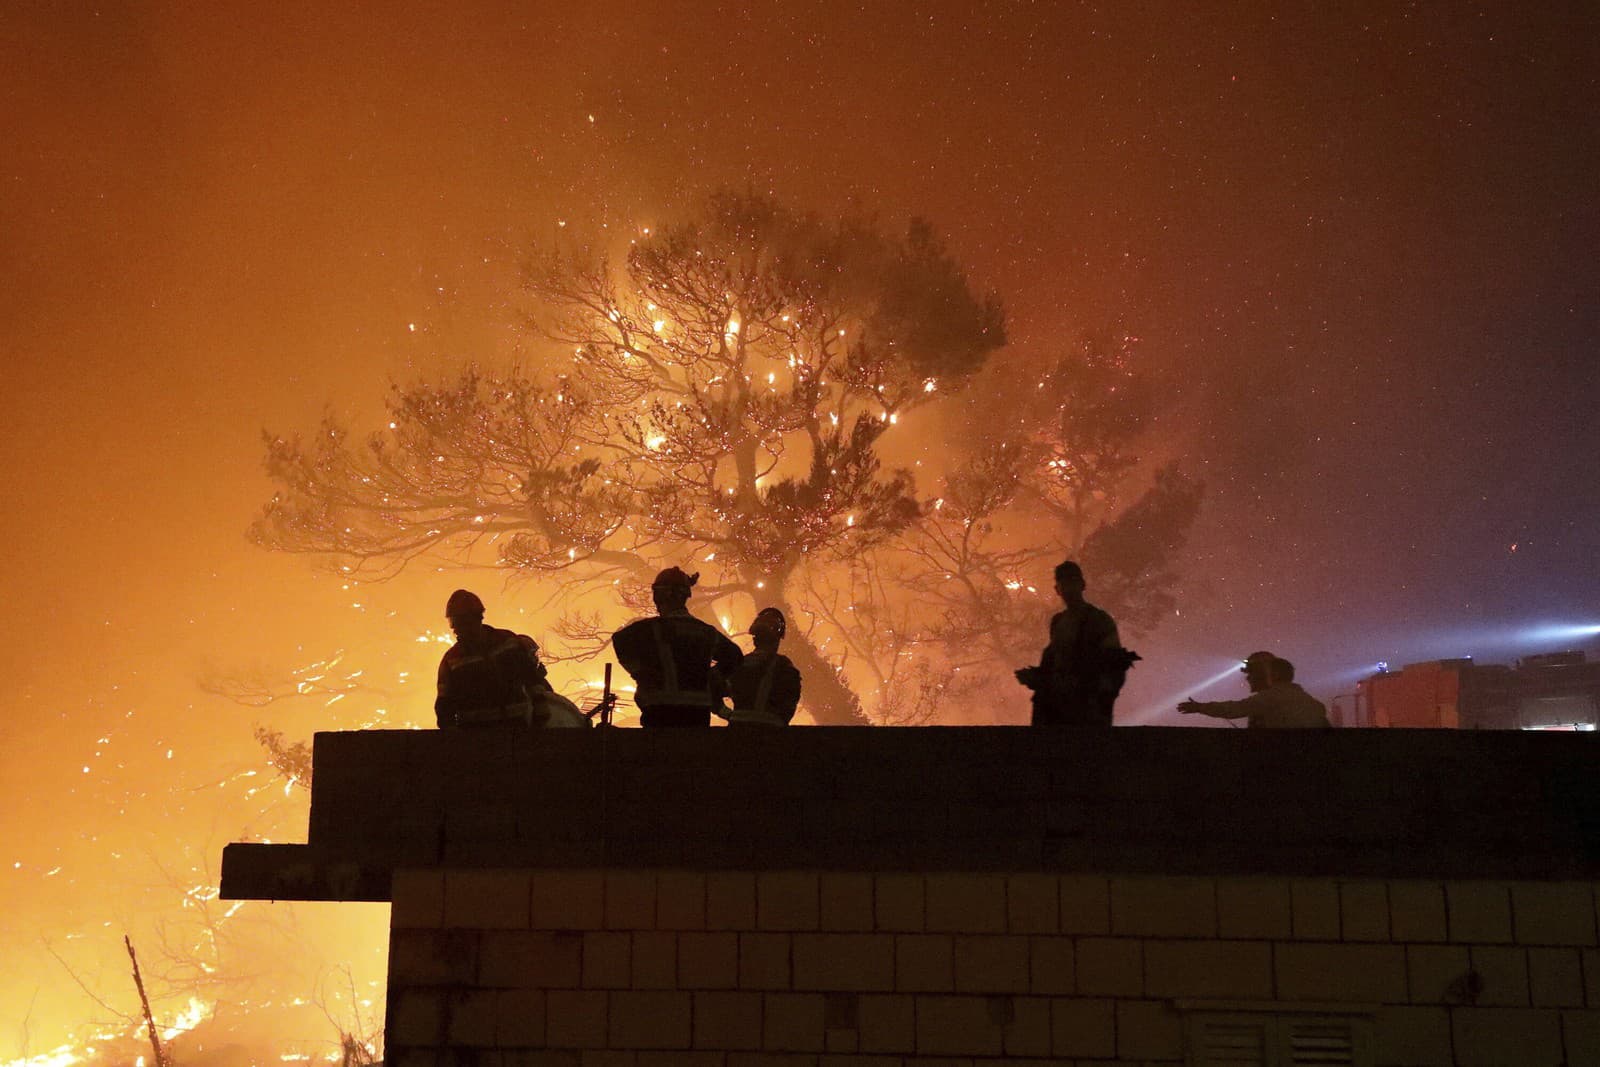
[(720, 398)]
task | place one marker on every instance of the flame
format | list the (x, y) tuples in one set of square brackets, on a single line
[(62, 1056), (196, 1013)]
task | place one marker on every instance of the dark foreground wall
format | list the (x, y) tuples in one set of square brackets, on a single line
[(1392, 803)]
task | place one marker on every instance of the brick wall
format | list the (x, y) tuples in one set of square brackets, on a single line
[(826, 969), (1375, 803), (959, 897)]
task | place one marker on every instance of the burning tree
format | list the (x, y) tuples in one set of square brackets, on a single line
[(1054, 478), (721, 396)]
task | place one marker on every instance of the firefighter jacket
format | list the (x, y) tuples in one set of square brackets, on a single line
[(1076, 661), (672, 656), (1284, 706), (764, 689), (490, 681)]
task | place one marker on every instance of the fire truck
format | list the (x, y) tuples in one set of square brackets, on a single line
[(1553, 691)]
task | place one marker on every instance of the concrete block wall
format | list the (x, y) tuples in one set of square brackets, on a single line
[(809, 968)]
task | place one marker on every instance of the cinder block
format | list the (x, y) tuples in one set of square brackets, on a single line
[(1149, 1030), (858, 1060), (727, 1021), (1480, 912), (607, 960), (679, 1058), (1028, 1032), (1315, 909), (1341, 973), (764, 961), (845, 962), (1033, 904), (957, 1026), (842, 1045), (900, 902), (1416, 911), (792, 1022), (846, 902), (1591, 978), (433, 957), (517, 1058), (604, 1058), (1504, 971), (1553, 913), (1555, 977), (416, 900), (991, 964), (566, 900), (486, 900), (771, 1059), (524, 1057), (1085, 904), (966, 903), (1412, 1037), (1051, 967), (1364, 911), (680, 900), (787, 900), (841, 1018), (1254, 908), (924, 963), (1437, 973), (1083, 1028), (887, 1023), (1110, 967), (575, 1018), (1212, 969), (1495, 1037), (649, 1020), (730, 900), (655, 960), (532, 959), (708, 960), (630, 900), (1163, 907), (1580, 1031), (519, 1018), (417, 1019)]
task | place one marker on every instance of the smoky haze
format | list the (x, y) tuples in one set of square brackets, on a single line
[(1355, 244)]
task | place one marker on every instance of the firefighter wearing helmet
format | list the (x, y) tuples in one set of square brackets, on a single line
[(674, 657), (765, 687), (490, 676)]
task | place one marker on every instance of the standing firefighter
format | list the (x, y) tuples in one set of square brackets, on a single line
[(489, 677), (673, 655), (765, 687), (1084, 665)]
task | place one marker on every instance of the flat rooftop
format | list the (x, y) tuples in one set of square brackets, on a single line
[(1146, 800)]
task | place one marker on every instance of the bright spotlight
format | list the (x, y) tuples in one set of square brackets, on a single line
[(1561, 632), (1171, 702)]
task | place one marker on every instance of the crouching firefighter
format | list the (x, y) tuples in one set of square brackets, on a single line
[(490, 676), (765, 687), (672, 656)]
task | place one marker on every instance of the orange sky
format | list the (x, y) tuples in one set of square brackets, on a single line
[(1360, 240)]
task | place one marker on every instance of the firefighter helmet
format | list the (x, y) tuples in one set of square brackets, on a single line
[(462, 603), (675, 578)]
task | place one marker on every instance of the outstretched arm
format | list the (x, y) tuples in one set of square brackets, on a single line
[(1219, 709)]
